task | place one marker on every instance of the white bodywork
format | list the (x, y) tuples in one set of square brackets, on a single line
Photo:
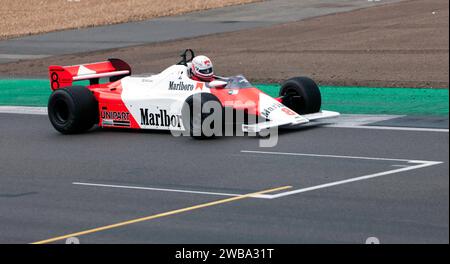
[(154, 94), (161, 96)]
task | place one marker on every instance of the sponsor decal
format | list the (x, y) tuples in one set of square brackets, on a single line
[(266, 111), (115, 115), (160, 118), (199, 86), (110, 122), (107, 122), (288, 111), (180, 86), (115, 118)]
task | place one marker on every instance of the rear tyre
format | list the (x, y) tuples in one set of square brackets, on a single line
[(302, 95), (194, 119), (73, 109)]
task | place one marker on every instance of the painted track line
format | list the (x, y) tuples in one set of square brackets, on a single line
[(419, 164), (23, 56), (400, 168), (23, 110), (169, 213), (350, 121), (332, 156), (263, 196), (418, 129), (361, 178)]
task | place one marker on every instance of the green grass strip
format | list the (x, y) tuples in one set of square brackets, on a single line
[(347, 100), (371, 100)]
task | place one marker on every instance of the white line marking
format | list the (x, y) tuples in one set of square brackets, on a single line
[(358, 121), (263, 196), (22, 56), (420, 164), (419, 129), (361, 178), (331, 156), (363, 121), (24, 110)]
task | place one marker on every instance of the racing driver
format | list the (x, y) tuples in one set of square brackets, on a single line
[(201, 69)]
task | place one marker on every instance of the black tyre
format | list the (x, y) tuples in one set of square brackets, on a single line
[(72, 109), (193, 119), (302, 95)]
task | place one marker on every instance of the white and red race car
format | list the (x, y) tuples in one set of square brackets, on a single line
[(166, 100)]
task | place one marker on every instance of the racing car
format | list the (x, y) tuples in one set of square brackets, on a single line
[(166, 101)]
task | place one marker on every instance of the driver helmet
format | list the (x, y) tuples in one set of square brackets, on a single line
[(202, 68)]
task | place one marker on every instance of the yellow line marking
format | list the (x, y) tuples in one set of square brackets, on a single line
[(151, 217)]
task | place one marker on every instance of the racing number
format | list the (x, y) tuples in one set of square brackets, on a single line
[(55, 81), (288, 111)]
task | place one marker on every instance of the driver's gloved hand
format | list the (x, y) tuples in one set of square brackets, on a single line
[(189, 71)]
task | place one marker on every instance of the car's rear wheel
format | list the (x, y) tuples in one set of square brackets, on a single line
[(302, 95), (72, 110), (194, 115)]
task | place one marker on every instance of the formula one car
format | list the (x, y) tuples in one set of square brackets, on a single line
[(166, 100)]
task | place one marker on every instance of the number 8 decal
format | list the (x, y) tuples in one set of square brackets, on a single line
[(55, 81)]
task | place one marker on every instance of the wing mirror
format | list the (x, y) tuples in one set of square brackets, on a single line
[(217, 84)]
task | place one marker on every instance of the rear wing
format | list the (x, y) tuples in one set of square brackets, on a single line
[(62, 76)]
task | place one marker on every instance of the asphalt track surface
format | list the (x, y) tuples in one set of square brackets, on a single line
[(233, 18), (127, 175)]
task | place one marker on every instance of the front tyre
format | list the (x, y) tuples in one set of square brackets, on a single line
[(200, 109), (302, 95), (72, 110)]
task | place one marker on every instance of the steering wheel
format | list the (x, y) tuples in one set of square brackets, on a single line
[(184, 57)]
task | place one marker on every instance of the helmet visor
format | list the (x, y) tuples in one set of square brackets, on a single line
[(206, 71)]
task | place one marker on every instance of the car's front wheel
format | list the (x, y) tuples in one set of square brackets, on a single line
[(199, 109), (302, 95)]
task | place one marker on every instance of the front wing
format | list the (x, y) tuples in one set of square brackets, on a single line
[(258, 127)]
